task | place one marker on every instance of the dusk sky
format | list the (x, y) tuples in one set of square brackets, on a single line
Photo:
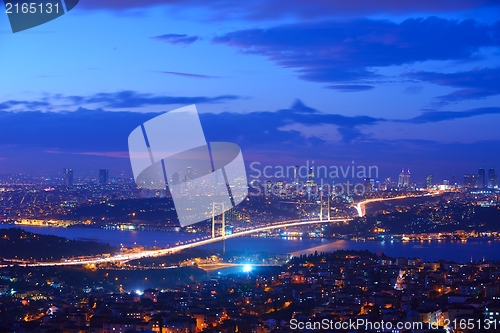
[(413, 84)]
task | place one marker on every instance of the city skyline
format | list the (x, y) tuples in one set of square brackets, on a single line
[(403, 180)]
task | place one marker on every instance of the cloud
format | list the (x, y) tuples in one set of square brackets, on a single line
[(274, 9), (82, 130), (412, 89), (473, 84), (131, 99), (177, 39), (124, 99), (26, 105), (97, 138), (190, 75), (91, 132), (347, 52), (265, 127), (112, 154), (350, 87), (96, 131), (438, 116), (454, 129)]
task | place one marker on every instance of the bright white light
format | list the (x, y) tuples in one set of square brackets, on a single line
[(247, 268), (138, 292)]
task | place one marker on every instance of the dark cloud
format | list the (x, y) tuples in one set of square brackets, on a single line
[(97, 130), (271, 9), (86, 130), (177, 39), (413, 89), (474, 84), (97, 138), (264, 127), (437, 116), (81, 130), (131, 99), (348, 51), (26, 105), (195, 76), (350, 87)]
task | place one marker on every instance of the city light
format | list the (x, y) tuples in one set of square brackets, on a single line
[(247, 268)]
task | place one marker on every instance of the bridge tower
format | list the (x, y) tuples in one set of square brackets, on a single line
[(321, 206), (223, 222), (329, 216)]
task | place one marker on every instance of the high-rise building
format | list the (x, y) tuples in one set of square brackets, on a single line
[(296, 175), (407, 179), (269, 187), (67, 176), (429, 181), (453, 181), (492, 178), (176, 180), (401, 179), (368, 185), (470, 180), (279, 188), (103, 176), (310, 177), (388, 184), (481, 178)]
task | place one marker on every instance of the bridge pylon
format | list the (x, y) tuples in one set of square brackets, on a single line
[(223, 222), (321, 207), (329, 215)]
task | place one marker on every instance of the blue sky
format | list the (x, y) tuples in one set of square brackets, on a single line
[(393, 84)]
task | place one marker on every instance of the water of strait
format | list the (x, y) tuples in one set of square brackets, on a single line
[(460, 251)]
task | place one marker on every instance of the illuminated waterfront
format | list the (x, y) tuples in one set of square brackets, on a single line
[(429, 250)]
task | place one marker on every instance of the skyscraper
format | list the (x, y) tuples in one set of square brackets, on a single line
[(310, 178), (388, 184), (269, 187), (67, 176), (481, 178), (469, 180), (453, 181), (368, 185), (401, 179), (429, 181), (296, 175), (407, 179), (176, 179), (492, 178), (103, 176)]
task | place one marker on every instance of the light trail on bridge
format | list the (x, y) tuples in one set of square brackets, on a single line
[(360, 208), (170, 250)]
